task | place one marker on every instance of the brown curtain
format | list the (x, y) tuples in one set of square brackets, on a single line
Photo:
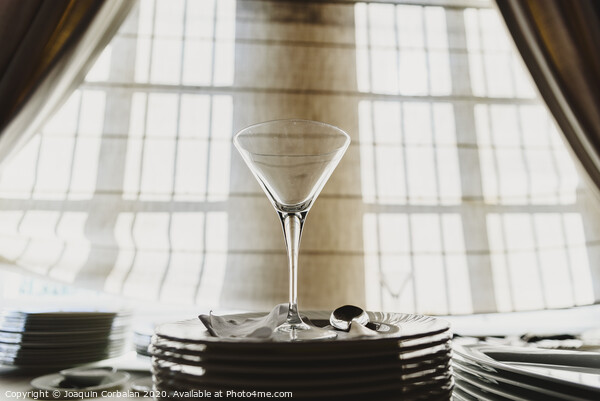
[(560, 44), (47, 47)]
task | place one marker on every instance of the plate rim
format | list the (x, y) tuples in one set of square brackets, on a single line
[(480, 359), (124, 377), (442, 326)]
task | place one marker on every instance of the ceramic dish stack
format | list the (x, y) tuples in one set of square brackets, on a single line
[(142, 336), (408, 359), (45, 339), (487, 372)]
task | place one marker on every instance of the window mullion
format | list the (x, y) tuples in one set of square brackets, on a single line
[(474, 217)]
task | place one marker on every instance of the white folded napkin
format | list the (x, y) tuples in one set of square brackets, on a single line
[(259, 327)]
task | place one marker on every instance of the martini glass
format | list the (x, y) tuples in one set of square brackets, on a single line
[(292, 160)]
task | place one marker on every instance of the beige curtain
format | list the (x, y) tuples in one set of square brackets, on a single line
[(47, 47), (560, 44)]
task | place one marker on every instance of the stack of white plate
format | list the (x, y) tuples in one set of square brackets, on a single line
[(45, 339), (487, 372), (409, 359), (142, 336)]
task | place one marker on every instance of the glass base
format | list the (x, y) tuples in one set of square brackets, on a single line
[(302, 332)]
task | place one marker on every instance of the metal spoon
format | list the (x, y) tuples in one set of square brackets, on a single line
[(343, 317)]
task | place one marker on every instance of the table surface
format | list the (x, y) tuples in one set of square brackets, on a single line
[(16, 382)]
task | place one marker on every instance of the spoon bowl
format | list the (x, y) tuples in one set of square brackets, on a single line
[(343, 317)]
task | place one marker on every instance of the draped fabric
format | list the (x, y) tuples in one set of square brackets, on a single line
[(559, 41), (47, 47), (456, 195)]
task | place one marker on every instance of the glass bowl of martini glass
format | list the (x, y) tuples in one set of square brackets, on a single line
[(292, 160)]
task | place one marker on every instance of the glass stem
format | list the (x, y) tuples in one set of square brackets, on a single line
[(292, 224)]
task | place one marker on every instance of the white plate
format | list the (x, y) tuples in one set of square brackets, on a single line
[(277, 352), (429, 390), (484, 390), (585, 376), (471, 391), (305, 376), (476, 362), (53, 381), (394, 327)]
